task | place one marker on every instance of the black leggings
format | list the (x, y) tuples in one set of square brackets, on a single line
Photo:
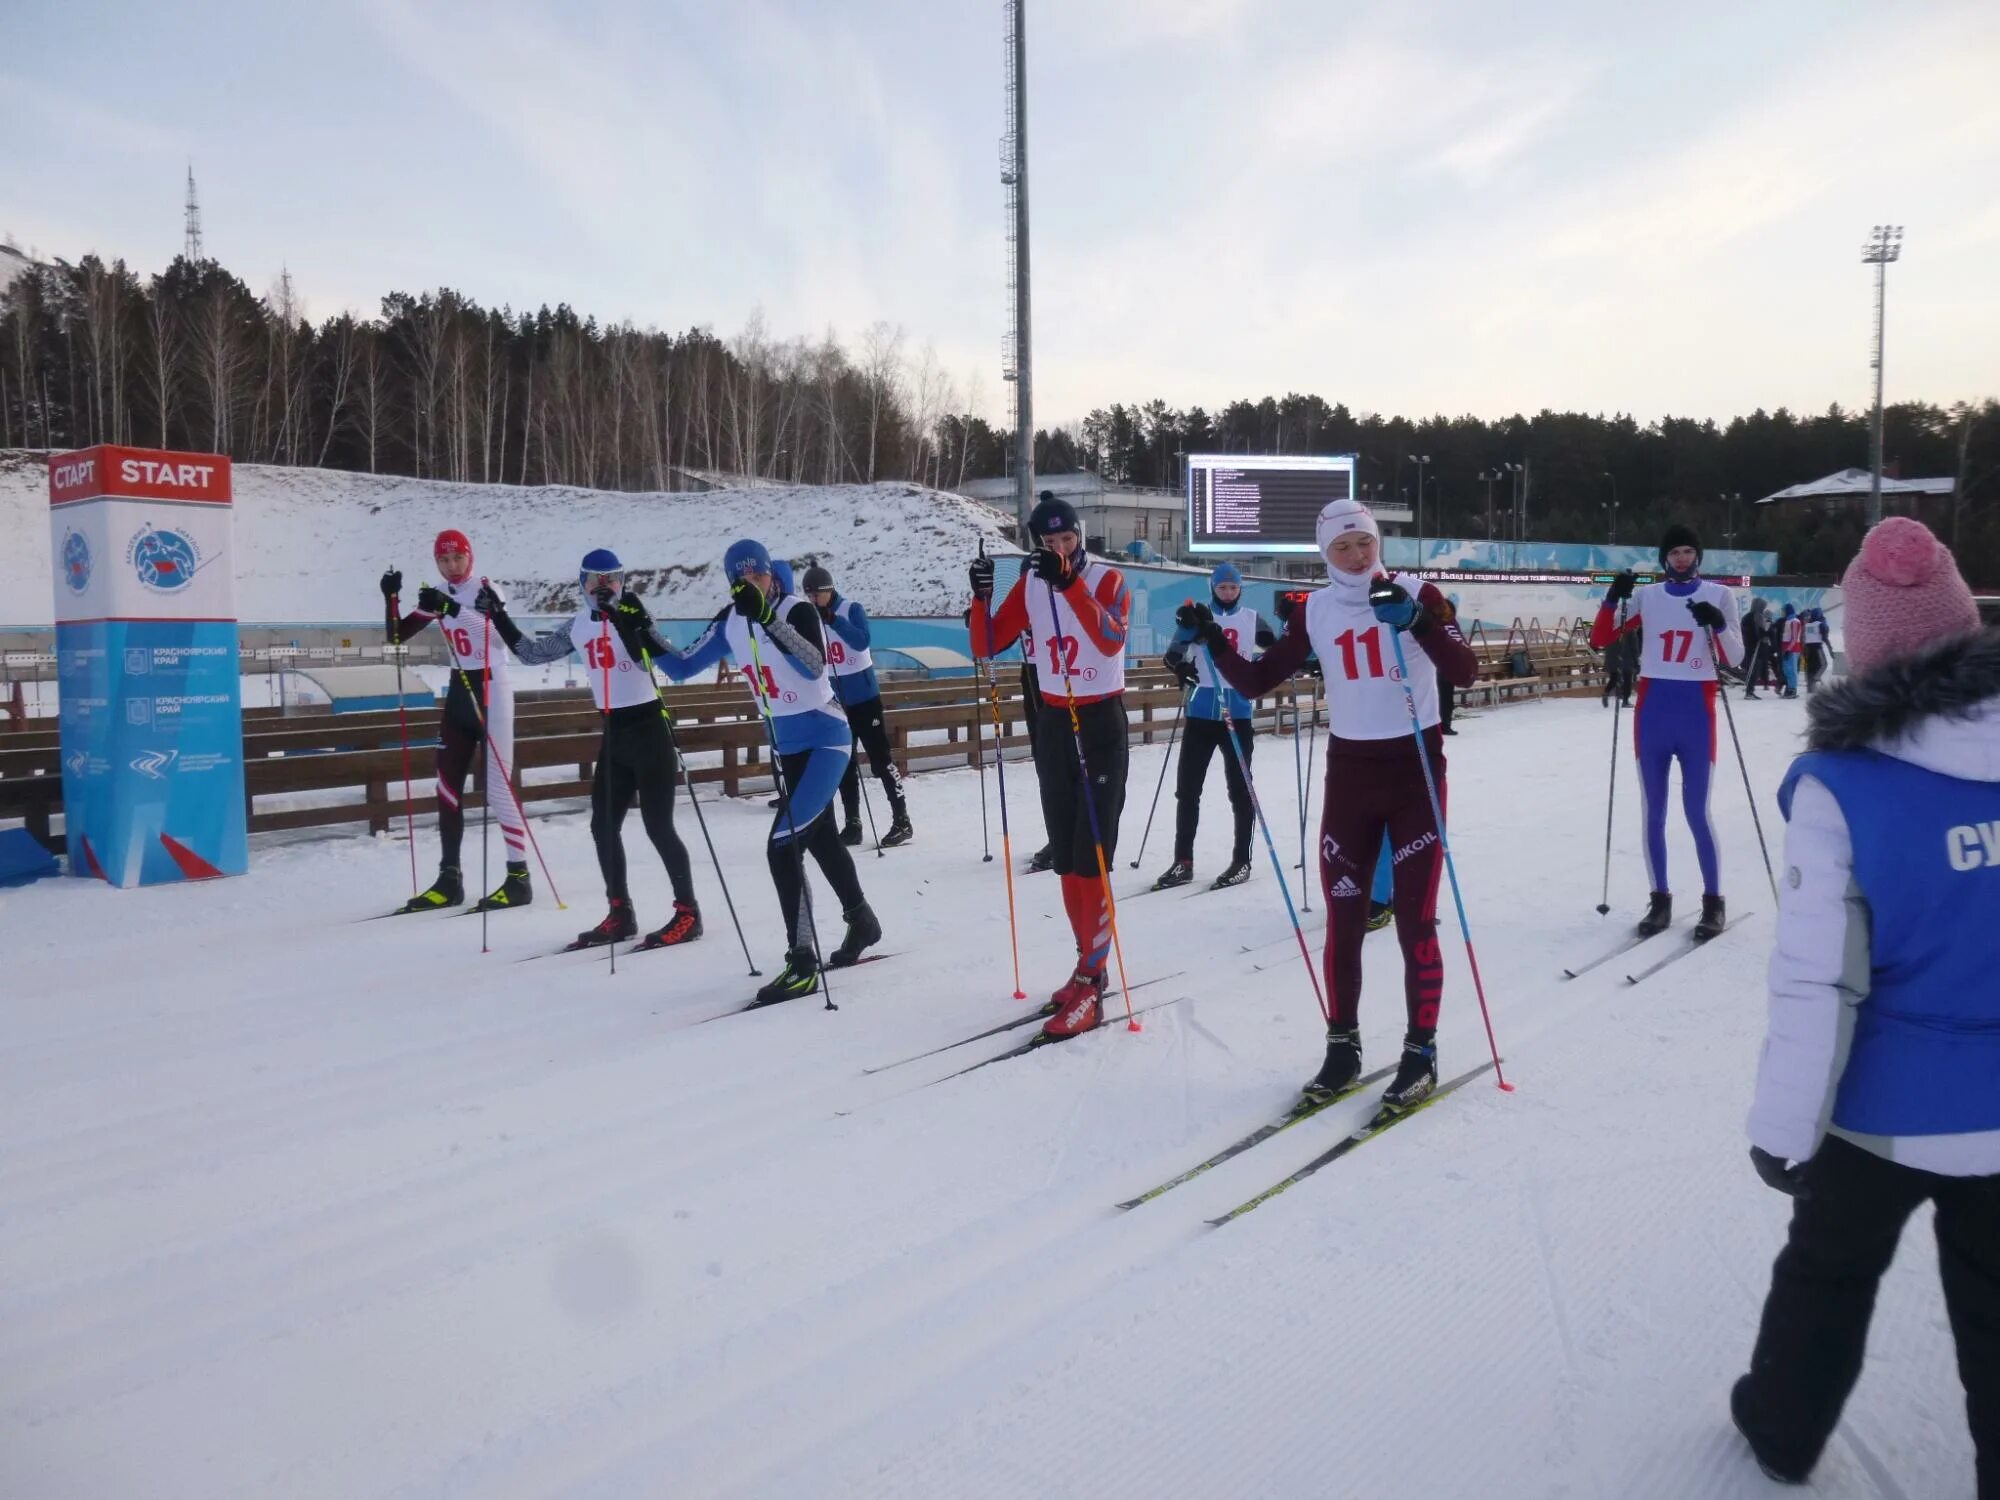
[(1201, 740), (1072, 848), (819, 838), (636, 759), (865, 719), (460, 734)]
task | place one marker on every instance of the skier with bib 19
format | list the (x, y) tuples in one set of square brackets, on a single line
[(852, 666), (1374, 779), (778, 641), (1676, 620), (1077, 609), (1205, 731), (478, 716)]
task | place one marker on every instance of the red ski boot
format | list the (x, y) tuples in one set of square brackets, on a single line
[(1079, 1007)]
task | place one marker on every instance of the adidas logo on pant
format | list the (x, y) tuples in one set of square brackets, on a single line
[(1345, 887)]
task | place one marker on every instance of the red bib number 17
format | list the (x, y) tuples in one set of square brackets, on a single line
[(1674, 644)]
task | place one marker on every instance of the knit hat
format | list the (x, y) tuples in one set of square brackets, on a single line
[(1051, 514), (1679, 536), (745, 556), (451, 541), (782, 571), (1225, 573), (1903, 591), (817, 578), (1339, 517)]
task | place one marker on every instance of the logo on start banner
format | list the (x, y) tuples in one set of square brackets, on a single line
[(76, 562), (164, 560)]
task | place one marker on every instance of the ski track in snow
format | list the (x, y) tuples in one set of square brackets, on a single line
[(295, 1205)]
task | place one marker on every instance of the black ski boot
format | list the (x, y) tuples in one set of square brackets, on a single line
[(447, 890), (1342, 1066), (683, 927), (1380, 915), (619, 924), (1714, 917), (900, 831), (1180, 872), (863, 931), (514, 891), (1659, 915), (799, 976), (1778, 1466), (1416, 1077), (1043, 858), (1236, 874), (850, 833)]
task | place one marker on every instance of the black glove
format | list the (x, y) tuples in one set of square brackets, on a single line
[(1788, 1178), (1392, 604), (749, 602), (1194, 617), (1621, 587), (1057, 571), (633, 621), (1707, 615), (601, 597), (436, 601), (1183, 671), (392, 584), (981, 574), (487, 601)]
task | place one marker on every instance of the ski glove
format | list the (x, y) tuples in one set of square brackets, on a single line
[(436, 601), (487, 602), (1392, 604), (1621, 587), (1707, 615), (1788, 1178), (392, 584), (1183, 670), (1057, 571), (749, 602), (981, 574)]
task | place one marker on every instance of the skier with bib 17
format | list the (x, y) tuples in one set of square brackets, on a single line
[(1374, 779), (1684, 623)]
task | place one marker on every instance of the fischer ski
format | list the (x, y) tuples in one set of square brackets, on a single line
[(1041, 1039), (1686, 946), (1381, 1121), (1632, 940), (1298, 1114), (1013, 1025)]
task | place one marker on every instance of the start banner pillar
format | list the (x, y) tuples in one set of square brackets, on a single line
[(146, 660)]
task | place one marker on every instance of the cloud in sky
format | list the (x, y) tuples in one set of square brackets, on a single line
[(1438, 206)]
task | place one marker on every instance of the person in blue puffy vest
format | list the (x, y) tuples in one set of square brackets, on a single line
[(1879, 1085)]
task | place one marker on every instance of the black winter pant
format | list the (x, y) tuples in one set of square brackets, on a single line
[(865, 719), (636, 760), (1815, 1324), (1072, 847), (818, 837), (460, 734), (1202, 739)]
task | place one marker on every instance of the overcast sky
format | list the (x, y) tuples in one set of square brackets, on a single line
[(1409, 207)]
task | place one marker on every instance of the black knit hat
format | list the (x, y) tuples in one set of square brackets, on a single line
[(1678, 535), (817, 578), (1052, 514)]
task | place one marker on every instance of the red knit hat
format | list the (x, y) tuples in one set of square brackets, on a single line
[(451, 541), (1903, 591)]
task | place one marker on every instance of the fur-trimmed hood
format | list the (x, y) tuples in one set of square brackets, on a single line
[(1939, 709)]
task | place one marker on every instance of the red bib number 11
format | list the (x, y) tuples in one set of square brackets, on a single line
[(1370, 645)]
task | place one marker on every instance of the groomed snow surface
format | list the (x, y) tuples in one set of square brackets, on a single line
[(292, 1206)]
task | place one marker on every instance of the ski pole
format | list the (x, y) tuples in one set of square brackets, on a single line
[(1611, 797), (1270, 845), (979, 753), (867, 806), (1006, 839), (791, 824), (1715, 655), (1299, 766), (506, 773), (1450, 865), (604, 656), (1305, 802), (486, 787), (403, 723), (1179, 709), (1090, 804), (687, 781)]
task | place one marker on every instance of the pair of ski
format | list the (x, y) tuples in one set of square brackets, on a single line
[(1030, 1019), (750, 1005), (1687, 944), (1306, 1108)]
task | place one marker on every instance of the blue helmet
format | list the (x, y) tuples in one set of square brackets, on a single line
[(782, 571), (599, 560), (746, 556)]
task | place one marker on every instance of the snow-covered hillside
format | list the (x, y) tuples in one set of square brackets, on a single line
[(311, 543)]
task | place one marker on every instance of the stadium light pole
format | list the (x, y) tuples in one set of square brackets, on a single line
[(1729, 534), (1614, 505), (1885, 244), (1487, 476), (1421, 460)]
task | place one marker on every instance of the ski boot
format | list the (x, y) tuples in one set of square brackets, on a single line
[(684, 927), (1236, 874), (1079, 1007), (1043, 858), (863, 931), (900, 831), (447, 890), (1714, 917), (619, 924), (1781, 1468), (850, 831), (1659, 915), (776, 802), (1380, 915), (514, 891), (1342, 1066), (1180, 872), (1416, 1077), (799, 976)]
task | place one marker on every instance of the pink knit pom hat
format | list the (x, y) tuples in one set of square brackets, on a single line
[(1903, 591)]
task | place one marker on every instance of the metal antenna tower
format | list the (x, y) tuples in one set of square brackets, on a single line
[(191, 248), (1015, 362)]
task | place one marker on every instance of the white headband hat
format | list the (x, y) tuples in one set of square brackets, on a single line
[(1340, 517)]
